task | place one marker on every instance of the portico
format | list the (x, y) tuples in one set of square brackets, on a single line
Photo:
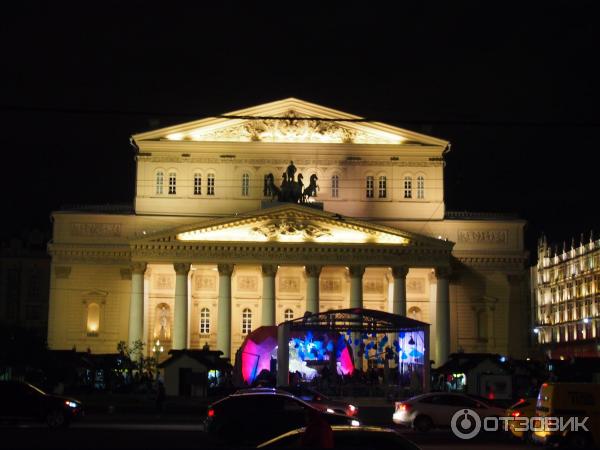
[(300, 240)]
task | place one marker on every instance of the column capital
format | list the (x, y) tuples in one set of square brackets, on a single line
[(442, 272), (356, 271), (138, 267), (399, 271), (313, 270), (225, 269), (269, 270), (182, 268)]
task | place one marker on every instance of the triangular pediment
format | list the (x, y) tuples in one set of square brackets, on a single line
[(289, 120), (291, 223)]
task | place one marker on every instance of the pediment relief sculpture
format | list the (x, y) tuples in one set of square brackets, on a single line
[(291, 126)]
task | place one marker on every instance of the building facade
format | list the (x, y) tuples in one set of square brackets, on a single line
[(25, 284), (207, 253), (567, 299)]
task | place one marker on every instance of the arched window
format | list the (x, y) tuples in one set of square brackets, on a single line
[(420, 186), (197, 184), (160, 179), (266, 188), (370, 187), (407, 187), (288, 314), (93, 319), (162, 322), (415, 313), (172, 183), (210, 184), (245, 185), (382, 186), (246, 321), (335, 186), (204, 321)]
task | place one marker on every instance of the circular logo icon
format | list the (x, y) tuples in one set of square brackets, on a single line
[(465, 423)]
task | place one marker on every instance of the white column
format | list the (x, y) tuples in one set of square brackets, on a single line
[(312, 287), (356, 301), (356, 286), (180, 322), (399, 299), (136, 305), (442, 316), (283, 355), (268, 294), (224, 310)]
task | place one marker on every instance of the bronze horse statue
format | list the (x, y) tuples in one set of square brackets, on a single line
[(311, 189), (272, 190)]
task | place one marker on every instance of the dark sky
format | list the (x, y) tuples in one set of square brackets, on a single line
[(513, 86)]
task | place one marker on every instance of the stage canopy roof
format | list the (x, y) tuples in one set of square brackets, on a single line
[(356, 319)]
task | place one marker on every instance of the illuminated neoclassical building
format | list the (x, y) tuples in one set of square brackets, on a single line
[(207, 252), (566, 289)]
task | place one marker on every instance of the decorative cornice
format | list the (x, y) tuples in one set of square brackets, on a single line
[(333, 163), (89, 254), (138, 267), (282, 253), (493, 261)]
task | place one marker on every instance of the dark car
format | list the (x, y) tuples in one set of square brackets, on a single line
[(348, 437), (321, 401), (248, 418), (22, 401)]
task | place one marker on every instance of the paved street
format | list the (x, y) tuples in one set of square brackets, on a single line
[(167, 434)]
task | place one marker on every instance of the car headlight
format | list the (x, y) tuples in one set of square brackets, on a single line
[(330, 411), (355, 423), (71, 404)]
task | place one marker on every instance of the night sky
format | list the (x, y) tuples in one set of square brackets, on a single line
[(513, 86)]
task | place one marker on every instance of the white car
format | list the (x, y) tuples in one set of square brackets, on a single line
[(436, 409)]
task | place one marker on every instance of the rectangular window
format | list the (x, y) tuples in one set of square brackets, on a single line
[(210, 184), (420, 187), (382, 187), (407, 187), (197, 184), (172, 183), (159, 183), (245, 185), (335, 185), (370, 187)]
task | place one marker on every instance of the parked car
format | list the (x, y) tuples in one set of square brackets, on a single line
[(317, 399), (22, 401), (525, 407), (569, 401), (348, 437), (436, 409), (252, 416)]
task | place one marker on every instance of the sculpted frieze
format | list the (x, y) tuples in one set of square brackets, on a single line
[(92, 229), (498, 237)]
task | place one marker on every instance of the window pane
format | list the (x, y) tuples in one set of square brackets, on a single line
[(335, 186), (210, 186), (407, 187), (159, 182), (172, 183)]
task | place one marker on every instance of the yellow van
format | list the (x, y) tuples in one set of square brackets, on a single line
[(571, 403)]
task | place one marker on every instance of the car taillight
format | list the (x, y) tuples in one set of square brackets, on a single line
[(404, 407), (515, 413), (211, 412)]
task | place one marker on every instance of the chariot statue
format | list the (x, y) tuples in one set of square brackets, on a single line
[(291, 190)]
